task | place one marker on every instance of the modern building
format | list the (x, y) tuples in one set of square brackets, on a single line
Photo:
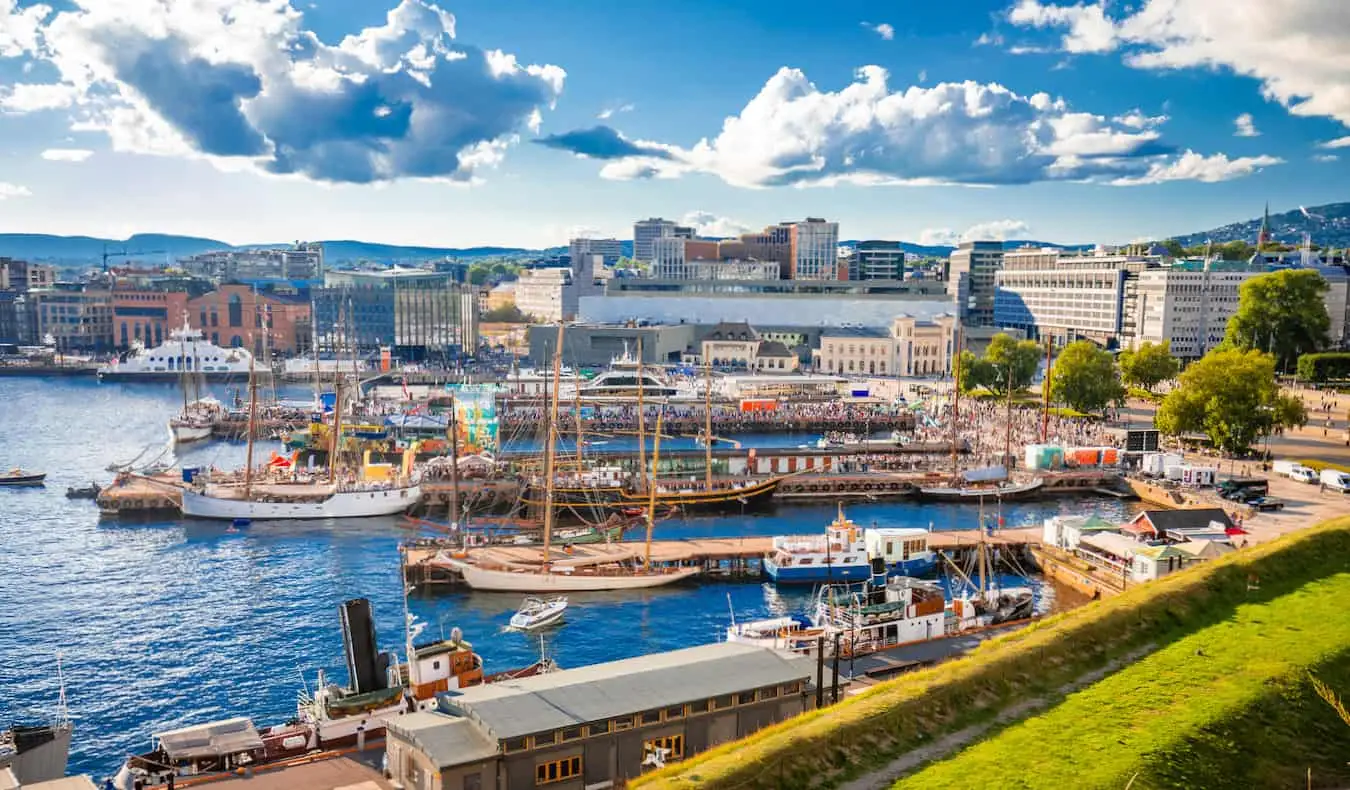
[(611, 250), (597, 726), (876, 260), (814, 245), (303, 261), (553, 294), (234, 316), (1189, 303), (13, 317), (648, 230), (971, 279), (1049, 294), (22, 276), (77, 317), (420, 314)]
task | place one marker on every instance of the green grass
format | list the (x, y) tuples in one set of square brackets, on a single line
[(1145, 719), (1140, 393), (825, 747), (1065, 411), (1320, 465)]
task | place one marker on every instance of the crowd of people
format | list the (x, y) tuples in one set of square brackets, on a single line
[(726, 418)]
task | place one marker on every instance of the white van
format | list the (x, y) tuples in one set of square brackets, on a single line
[(1336, 481), (1285, 468), (1302, 474)]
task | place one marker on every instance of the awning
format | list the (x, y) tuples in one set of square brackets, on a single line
[(230, 736)]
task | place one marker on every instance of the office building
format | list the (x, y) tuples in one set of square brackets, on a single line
[(814, 245), (13, 307), (22, 276), (303, 261), (672, 260), (970, 279), (552, 295), (77, 317), (611, 250), (1189, 303), (645, 232), (420, 314), (234, 316), (876, 260), (1049, 294), (598, 726), (909, 346)]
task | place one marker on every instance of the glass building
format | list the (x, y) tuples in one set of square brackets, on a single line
[(421, 315)]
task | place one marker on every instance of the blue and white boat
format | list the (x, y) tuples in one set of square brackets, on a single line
[(905, 550), (839, 555)]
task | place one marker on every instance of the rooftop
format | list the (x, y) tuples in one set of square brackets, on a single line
[(448, 740), (510, 709), (855, 331)]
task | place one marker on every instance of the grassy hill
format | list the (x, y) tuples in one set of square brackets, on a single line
[(1008, 679)]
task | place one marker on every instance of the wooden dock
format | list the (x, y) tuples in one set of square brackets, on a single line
[(139, 495)]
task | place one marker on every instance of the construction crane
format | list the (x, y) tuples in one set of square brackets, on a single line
[(125, 253)]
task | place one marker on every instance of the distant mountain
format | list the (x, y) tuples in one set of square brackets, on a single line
[(1329, 227)]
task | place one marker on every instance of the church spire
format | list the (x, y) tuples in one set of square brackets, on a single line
[(1263, 237)]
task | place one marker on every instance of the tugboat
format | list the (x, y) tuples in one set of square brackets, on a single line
[(18, 478)]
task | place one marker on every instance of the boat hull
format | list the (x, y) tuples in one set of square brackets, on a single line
[(343, 504), (173, 377), (919, 566), (1025, 491), (816, 574), (491, 580), (21, 481), (186, 434)]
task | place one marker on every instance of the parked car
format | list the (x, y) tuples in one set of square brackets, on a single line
[(1267, 503), (1302, 474)]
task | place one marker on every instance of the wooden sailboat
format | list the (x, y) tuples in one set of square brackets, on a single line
[(200, 414), (580, 570), (300, 497)]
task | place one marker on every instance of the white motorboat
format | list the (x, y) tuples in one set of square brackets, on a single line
[(538, 613)]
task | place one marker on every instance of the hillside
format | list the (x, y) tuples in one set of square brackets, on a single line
[(1330, 227)]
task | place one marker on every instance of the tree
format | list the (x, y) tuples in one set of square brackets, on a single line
[(478, 274), (1148, 365), (973, 372), (1174, 248), (506, 314), (1085, 378), (1282, 313), (1232, 397), (1010, 364), (1332, 366)]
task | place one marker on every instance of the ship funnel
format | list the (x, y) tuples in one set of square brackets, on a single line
[(360, 645), (456, 635), (878, 571)]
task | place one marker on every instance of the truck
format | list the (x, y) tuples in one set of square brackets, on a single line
[(1335, 480)]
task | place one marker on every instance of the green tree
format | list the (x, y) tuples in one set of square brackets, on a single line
[(506, 314), (1236, 251), (1174, 248), (1011, 363), (973, 372), (1232, 397), (1148, 365), (1084, 377), (1282, 313), (478, 274)]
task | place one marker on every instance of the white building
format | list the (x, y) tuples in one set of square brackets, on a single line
[(648, 230), (815, 249), (908, 347), (611, 250), (554, 294), (303, 261), (1188, 304), (1046, 293)]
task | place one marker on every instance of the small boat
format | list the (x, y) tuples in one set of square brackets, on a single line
[(840, 554), (538, 613), (90, 491), (17, 477)]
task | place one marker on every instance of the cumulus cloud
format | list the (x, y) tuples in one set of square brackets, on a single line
[(245, 85), (19, 27), (26, 97), (1136, 119), (707, 224), (1191, 166), (610, 112), (1339, 142), (8, 190), (883, 29), (794, 134), (996, 230), (1244, 126), (1294, 48), (67, 154)]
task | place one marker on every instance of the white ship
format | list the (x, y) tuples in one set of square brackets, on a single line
[(187, 351), (288, 500)]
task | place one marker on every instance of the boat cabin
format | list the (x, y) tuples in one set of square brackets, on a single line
[(905, 549), (444, 666)]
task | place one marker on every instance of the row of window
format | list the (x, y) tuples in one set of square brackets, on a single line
[(647, 718)]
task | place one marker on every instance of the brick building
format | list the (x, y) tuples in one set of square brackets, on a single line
[(232, 316)]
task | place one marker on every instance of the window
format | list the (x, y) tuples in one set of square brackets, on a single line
[(236, 308), (624, 723), (650, 717), (745, 698), (724, 701), (794, 687), (545, 739), (598, 728), (572, 734), (698, 707), (557, 770), (768, 693), (676, 712), (673, 745), (515, 745)]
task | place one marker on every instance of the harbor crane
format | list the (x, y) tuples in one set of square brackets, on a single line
[(125, 253)]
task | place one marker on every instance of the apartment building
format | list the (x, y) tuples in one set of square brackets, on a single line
[(611, 250), (302, 261), (554, 294)]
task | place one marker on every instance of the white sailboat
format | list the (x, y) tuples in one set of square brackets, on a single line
[(297, 497), (603, 570)]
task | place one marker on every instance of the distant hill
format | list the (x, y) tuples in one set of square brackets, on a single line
[(1329, 226)]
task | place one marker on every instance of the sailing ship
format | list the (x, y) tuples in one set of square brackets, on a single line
[(575, 571), (287, 493), (187, 349)]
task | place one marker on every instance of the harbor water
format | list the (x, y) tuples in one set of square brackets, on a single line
[(164, 624)]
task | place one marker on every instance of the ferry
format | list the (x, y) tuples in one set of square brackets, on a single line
[(621, 382), (840, 554), (186, 351)]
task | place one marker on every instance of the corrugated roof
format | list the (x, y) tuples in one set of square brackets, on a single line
[(603, 691), (1118, 545), (447, 740)]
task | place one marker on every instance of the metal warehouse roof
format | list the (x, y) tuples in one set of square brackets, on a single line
[(603, 691), (445, 739)]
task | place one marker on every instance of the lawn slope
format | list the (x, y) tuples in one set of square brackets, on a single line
[(1160, 722)]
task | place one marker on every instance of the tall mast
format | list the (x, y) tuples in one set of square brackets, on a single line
[(983, 583), (651, 494), (183, 372), (641, 422), (576, 406), (454, 463), (252, 427), (336, 445), (956, 393), (1045, 395), (707, 425), (551, 436), (1007, 419)]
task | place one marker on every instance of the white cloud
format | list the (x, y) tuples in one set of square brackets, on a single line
[(1325, 158), (26, 97), (610, 112), (1295, 48), (794, 134), (1339, 142), (1089, 29), (1244, 126), (883, 29), (923, 76), (988, 40), (1136, 119), (708, 224), (8, 190), (996, 230), (19, 27), (67, 154), (1191, 166), (246, 86)]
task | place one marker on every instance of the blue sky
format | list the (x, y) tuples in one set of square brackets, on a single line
[(521, 122)]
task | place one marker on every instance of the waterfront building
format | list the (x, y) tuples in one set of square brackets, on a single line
[(13, 309), (419, 314), (738, 345), (598, 726), (971, 279), (239, 316), (22, 276), (553, 294), (1189, 303), (924, 347), (908, 347), (1047, 293), (302, 261), (855, 350), (611, 250), (77, 316), (146, 316)]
